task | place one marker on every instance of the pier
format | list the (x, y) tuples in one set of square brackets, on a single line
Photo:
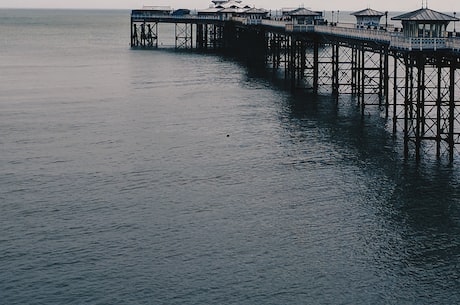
[(412, 73)]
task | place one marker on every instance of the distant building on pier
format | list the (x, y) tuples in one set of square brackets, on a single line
[(157, 10), (305, 16), (221, 3), (368, 18), (425, 23), (226, 9), (255, 13)]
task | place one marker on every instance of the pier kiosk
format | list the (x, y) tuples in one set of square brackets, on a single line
[(303, 16), (425, 23), (254, 14), (368, 18)]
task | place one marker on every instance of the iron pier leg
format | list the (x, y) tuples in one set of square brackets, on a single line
[(406, 110), (438, 110), (381, 76), (354, 68), (359, 74), (277, 56), (294, 61), (386, 76), (315, 66), (287, 55), (452, 112), (419, 110), (335, 68), (132, 32), (143, 34), (362, 73), (395, 94), (275, 52), (303, 59), (205, 36), (199, 36)]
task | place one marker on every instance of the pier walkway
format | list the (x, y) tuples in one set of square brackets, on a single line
[(394, 39)]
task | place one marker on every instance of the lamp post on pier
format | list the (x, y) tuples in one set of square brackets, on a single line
[(455, 13), (386, 21)]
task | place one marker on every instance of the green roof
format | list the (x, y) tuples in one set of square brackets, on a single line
[(368, 12), (425, 14)]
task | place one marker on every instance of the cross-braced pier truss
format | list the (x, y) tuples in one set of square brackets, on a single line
[(144, 35), (426, 102)]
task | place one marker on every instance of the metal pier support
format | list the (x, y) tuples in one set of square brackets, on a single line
[(184, 35), (431, 118), (144, 35), (418, 89)]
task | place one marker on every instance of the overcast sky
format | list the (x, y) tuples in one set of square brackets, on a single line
[(320, 5)]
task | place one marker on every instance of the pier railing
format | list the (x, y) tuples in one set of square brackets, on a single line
[(247, 21), (264, 22), (274, 23), (354, 33), (300, 28), (412, 44), (166, 18), (453, 44), (395, 39)]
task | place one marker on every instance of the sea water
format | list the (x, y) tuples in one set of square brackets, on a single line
[(163, 177)]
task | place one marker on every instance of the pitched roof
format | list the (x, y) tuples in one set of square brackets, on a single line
[(425, 14), (156, 8), (303, 12), (210, 10), (256, 11), (232, 4), (232, 10), (368, 12)]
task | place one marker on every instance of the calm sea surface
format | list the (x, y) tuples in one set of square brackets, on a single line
[(158, 177)]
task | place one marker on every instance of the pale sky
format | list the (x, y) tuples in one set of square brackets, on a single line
[(320, 5)]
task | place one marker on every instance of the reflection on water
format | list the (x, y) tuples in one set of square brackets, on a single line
[(416, 204)]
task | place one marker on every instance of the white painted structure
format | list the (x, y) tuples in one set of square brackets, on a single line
[(425, 23), (368, 18)]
